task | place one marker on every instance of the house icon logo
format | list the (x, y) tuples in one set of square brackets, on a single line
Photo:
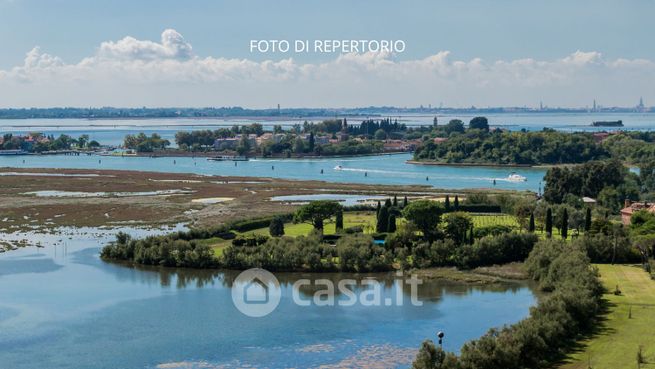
[(256, 292)]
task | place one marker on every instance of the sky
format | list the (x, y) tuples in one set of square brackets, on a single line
[(458, 53)]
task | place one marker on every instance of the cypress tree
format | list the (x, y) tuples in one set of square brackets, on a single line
[(587, 220), (531, 227), (387, 203), (447, 203), (276, 227), (565, 224), (311, 141), (377, 211), (339, 221), (549, 223), (392, 224), (456, 202), (471, 236), (405, 202), (383, 220), (395, 200)]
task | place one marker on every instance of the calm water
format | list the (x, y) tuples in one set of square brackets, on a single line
[(384, 170), (112, 131), (62, 307)]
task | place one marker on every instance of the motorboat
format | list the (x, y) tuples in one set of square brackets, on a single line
[(514, 177), (338, 167)]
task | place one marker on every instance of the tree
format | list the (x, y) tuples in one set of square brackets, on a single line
[(377, 210), (380, 134), (392, 223), (430, 356), (435, 122), (312, 142), (83, 141), (457, 225), (471, 236), (405, 202), (564, 228), (387, 202), (383, 220), (299, 146), (531, 226), (549, 222), (587, 220), (244, 145), (456, 202), (479, 123), (523, 210), (447, 203), (339, 221), (395, 201), (276, 228), (425, 215), (455, 125), (317, 212)]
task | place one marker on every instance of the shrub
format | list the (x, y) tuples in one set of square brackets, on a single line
[(603, 249), (558, 319), (492, 230), (505, 248), (276, 227)]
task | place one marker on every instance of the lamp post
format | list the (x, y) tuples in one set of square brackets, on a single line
[(440, 335)]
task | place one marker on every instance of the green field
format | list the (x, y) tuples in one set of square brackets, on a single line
[(493, 220), (366, 220), (619, 336)]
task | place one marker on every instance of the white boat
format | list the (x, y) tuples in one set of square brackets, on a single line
[(513, 177), (338, 167)]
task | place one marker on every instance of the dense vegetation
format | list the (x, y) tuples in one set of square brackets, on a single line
[(481, 146), (554, 324), (161, 251), (38, 142), (609, 182), (632, 147), (143, 143)]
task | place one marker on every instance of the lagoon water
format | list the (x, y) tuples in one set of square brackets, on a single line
[(112, 131), (383, 170), (62, 307)]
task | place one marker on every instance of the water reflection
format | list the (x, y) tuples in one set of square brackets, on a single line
[(62, 306)]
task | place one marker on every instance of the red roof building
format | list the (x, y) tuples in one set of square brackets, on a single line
[(630, 208)]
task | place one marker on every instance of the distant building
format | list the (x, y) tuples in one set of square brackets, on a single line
[(400, 145), (630, 208), (225, 143), (439, 140), (600, 136), (588, 201)]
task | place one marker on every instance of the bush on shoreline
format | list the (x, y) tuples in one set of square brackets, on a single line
[(554, 324)]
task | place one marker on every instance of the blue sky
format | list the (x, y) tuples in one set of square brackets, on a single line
[(492, 30)]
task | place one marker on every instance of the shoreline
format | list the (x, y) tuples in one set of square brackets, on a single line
[(185, 154), (488, 165)]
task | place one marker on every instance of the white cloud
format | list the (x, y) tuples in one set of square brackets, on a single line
[(172, 46), (132, 72)]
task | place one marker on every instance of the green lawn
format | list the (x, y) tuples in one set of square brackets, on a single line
[(619, 336), (494, 219), (366, 220)]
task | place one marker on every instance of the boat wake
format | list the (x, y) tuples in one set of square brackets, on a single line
[(394, 173)]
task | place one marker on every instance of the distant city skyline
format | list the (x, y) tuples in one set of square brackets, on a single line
[(479, 53)]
